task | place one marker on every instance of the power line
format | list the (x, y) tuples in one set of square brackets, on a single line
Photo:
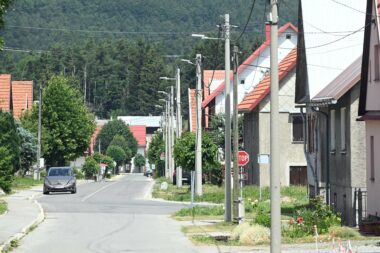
[(97, 31), (249, 18)]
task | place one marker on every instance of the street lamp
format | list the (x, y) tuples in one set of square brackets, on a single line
[(169, 161), (178, 117), (198, 136), (227, 100)]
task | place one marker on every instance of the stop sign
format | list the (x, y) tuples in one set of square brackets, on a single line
[(243, 158)]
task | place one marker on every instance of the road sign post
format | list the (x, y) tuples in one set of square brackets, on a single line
[(243, 158)]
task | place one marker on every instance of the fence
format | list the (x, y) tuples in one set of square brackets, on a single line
[(360, 205)]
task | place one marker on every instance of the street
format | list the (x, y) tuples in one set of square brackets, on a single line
[(107, 217)]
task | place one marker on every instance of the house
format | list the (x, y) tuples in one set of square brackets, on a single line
[(139, 132), (326, 47), (369, 105), (256, 137), (15, 96), (252, 70), (343, 142)]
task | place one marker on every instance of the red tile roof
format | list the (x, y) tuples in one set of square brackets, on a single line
[(139, 132), (263, 88), (22, 97), (92, 147), (248, 61), (192, 110), (5, 88)]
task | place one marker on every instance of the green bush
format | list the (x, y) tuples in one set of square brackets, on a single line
[(317, 217), (78, 173), (263, 219), (90, 168)]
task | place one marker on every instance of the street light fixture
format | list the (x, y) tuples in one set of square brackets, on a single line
[(198, 136), (203, 37), (167, 78)]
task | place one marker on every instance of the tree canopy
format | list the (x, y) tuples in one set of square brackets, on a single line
[(112, 129), (184, 152), (66, 123), (139, 160)]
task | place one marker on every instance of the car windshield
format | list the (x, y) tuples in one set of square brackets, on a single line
[(54, 172)]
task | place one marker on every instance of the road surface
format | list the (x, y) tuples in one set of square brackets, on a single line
[(107, 217)]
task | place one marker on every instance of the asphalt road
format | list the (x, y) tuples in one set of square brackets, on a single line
[(107, 217)]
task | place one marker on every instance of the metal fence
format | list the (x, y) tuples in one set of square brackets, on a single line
[(360, 205)]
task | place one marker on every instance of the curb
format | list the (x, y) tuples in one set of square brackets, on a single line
[(38, 220), (25, 230)]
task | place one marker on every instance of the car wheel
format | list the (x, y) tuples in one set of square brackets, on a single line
[(45, 192), (74, 191)]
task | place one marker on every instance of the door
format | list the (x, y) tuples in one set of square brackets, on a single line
[(298, 175)]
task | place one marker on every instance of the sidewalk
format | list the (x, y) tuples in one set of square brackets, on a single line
[(24, 212)]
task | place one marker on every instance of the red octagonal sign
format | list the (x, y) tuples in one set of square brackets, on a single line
[(243, 158)]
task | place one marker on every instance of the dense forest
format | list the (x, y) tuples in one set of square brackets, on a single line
[(117, 50)]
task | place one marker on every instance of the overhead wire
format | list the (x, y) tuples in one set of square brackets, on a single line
[(248, 19)]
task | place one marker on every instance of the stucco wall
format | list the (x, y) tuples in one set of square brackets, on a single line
[(257, 136), (373, 186)]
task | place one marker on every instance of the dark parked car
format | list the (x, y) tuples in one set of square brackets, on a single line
[(186, 177), (60, 179)]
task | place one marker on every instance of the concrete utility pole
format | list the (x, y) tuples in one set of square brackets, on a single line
[(85, 84), (236, 188), (179, 121), (275, 191), (36, 174), (198, 144), (227, 137), (171, 160), (166, 140)]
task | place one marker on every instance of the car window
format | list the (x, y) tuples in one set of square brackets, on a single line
[(60, 172)]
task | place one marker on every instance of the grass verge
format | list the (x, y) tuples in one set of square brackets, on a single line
[(3, 206), (22, 183)]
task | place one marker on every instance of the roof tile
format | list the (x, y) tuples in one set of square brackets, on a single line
[(263, 88)]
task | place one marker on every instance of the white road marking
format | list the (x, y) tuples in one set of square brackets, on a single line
[(95, 192)]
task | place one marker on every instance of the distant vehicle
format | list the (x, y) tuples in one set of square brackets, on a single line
[(60, 179), (148, 173), (186, 177)]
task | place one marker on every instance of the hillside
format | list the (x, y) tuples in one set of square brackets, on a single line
[(39, 24), (121, 46)]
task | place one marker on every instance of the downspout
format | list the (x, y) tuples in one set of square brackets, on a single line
[(327, 154), (305, 152)]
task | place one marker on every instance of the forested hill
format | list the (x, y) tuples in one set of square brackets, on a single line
[(39, 24), (116, 50)]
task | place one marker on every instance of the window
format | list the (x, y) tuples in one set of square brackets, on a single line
[(376, 65), (297, 123), (343, 128), (372, 157), (288, 36), (332, 130), (242, 81)]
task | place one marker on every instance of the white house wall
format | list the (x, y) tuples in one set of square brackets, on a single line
[(373, 186), (252, 75), (334, 32)]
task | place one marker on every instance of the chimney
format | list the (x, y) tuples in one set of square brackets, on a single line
[(267, 31)]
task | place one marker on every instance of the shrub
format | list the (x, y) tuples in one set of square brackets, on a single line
[(343, 232), (251, 234), (317, 214), (78, 173), (90, 167), (263, 219)]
